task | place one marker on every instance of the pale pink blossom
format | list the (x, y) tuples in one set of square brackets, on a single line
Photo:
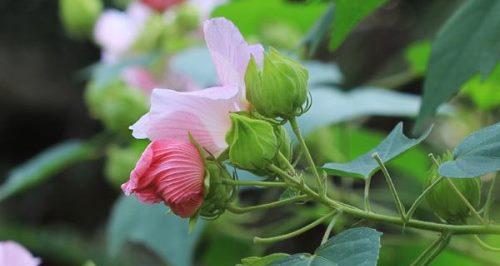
[(13, 254), (171, 171), (204, 113)]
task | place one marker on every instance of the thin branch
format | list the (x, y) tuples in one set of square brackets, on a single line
[(392, 188)]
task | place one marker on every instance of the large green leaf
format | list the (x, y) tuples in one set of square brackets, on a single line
[(45, 165), (365, 166), (152, 225), (357, 246), (468, 43), (319, 31), (478, 154), (348, 14), (331, 106), (252, 16)]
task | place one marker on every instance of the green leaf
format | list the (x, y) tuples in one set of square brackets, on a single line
[(266, 13), (347, 16), (262, 261), (357, 246), (44, 165), (485, 93), (478, 154), (152, 225), (343, 143), (417, 55), (468, 43), (319, 30), (365, 166)]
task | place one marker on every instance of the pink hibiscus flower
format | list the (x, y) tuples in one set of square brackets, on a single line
[(204, 113), (171, 171)]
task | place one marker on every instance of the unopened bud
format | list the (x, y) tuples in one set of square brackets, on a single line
[(78, 16), (279, 89), (445, 201), (217, 193)]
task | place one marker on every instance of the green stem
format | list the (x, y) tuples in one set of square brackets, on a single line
[(368, 207), (305, 149), (392, 188), (489, 200), (294, 233), (237, 209), (485, 246), (417, 202), (329, 229), (254, 183), (445, 240), (420, 260), (418, 224), (464, 199)]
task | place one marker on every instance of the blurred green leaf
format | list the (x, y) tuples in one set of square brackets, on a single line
[(358, 246), (152, 225), (468, 43), (348, 13), (223, 250), (485, 93), (319, 30), (478, 154), (263, 13), (417, 55), (262, 261), (365, 166), (45, 165), (331, 106)]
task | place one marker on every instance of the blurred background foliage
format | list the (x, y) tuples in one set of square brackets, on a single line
[(366, 79)]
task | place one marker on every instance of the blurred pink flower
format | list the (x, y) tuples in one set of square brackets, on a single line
[(161, 5), (204, 113), (171, 171), (13, 254)]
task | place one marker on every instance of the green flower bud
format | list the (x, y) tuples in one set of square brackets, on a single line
[(78, 16), (280, 89), (444, 200), (284, 143), (116, 105), (121, 161), (217, 194), (253, 144)]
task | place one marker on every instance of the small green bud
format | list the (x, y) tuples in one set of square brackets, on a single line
[(116, 105), (217, 194), (120, 161), (280, 89), (78, 16), (444, 200), (253, 144)]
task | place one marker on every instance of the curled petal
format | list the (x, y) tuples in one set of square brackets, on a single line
[(171, 171)]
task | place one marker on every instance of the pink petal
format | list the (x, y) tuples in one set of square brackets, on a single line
[(172, 171), (230, 53), (257, 51), (13, 254), (204, 114)]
